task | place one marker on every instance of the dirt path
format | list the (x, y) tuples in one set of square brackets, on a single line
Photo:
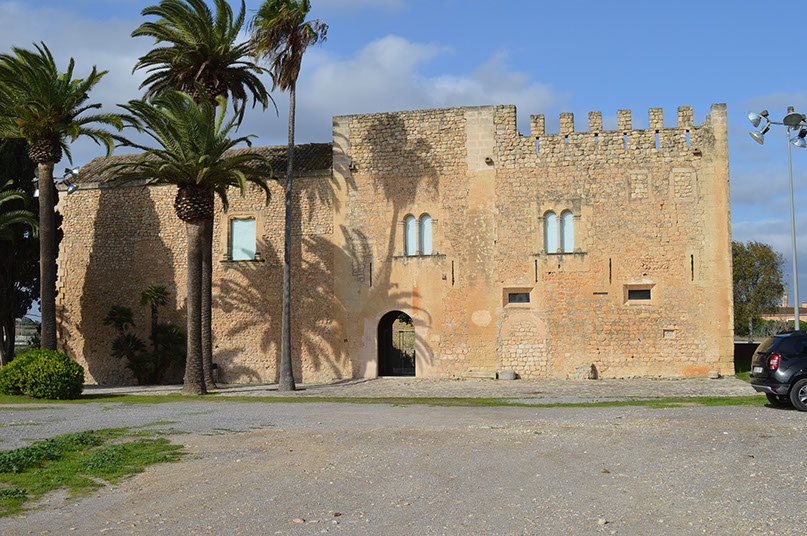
[(435, 470)]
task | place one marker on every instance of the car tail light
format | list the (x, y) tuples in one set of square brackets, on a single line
[(773, 364)]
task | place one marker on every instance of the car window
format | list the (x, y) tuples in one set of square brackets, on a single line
[(791, 345), (766, 345)]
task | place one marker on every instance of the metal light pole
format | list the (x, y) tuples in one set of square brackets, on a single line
[(792, 121)]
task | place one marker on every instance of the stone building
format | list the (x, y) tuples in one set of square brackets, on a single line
[(439, 243)]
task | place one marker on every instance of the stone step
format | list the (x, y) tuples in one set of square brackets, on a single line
[(470, 374)]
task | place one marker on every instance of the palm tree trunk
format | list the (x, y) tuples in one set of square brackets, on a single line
[(207, 303), (7, 336), (47, 254), (286, 379), (194, 380), (154, 321)]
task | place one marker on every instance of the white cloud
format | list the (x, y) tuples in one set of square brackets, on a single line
[(386, 76)]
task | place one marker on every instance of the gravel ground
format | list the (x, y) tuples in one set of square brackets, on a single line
[(541, 391), (256, 468)]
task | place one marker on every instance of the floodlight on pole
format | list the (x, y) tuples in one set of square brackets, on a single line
[(755, 118), (793, 120), (798, 139), (759, 135)]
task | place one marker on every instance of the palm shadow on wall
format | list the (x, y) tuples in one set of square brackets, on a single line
[(250, 295), (398, 167), (127, 253)]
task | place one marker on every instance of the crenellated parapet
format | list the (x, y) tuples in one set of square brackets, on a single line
[(685, 139), (655, 120)]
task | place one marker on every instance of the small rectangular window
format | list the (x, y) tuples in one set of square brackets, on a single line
[(639, 294), (518, 297), (242, 239)]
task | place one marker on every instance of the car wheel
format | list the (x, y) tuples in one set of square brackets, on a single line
[(798, 394), (778, 401)]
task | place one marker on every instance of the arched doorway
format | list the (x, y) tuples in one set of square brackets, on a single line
[(396, 345)]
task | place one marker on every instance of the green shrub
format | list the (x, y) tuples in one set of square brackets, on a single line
[(43, 374), (11, 376)]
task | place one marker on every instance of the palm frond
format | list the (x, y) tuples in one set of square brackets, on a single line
[(37, 101), (197, 45), (192, 141)]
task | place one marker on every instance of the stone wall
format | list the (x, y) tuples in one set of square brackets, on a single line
[(119, 240), (650, 209)]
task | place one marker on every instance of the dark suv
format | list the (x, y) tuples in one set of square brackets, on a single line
[(779, 369)]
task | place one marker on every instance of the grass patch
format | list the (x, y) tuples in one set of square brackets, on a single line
[(753, 400), (79, 462)]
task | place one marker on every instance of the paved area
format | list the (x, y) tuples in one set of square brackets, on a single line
[(536, 391), (380, 469)]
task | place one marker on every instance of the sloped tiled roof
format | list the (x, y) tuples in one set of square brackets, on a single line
[(308, 158)]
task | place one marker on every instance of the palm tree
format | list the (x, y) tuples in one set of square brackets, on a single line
[(154, 296), (14, 217), (46, 107), (192, 155), (8, 219), (281, 34), (200, 48)]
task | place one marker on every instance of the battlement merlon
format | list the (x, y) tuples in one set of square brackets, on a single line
[(655, 121)]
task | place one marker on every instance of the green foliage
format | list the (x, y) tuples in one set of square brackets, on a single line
[(281, 34), (758, 286), (197, 46), (154, 295), (39, 102), (119, 317), (43, 374), (12, 375), (19, 252), (168, 342), (76, 462), (10, 217), (18, 460), (193, 142)]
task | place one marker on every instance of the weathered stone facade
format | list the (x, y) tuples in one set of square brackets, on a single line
[(644, 290)]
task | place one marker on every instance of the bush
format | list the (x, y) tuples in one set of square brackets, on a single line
[(11, 376), (43, 374)]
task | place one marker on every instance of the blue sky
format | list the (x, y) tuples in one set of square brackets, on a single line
[(544, 57)]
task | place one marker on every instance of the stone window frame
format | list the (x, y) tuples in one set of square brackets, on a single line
[(506, 291), (559, 211), (645, 285), (225, 238), (419, 234)]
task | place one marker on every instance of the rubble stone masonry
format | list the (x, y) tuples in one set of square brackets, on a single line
[(643, 290)]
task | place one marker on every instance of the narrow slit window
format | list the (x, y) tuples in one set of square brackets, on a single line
[(567, 231), (566, 139), (657, 140), (425, 235), (242, 239), (551, 232), (625, 141), (537, 145), (687, 138), (596, 138), (410, 235)]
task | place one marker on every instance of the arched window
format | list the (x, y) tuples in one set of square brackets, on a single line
[(425, 234), (411, 235), (567, 231), (551, 232)]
